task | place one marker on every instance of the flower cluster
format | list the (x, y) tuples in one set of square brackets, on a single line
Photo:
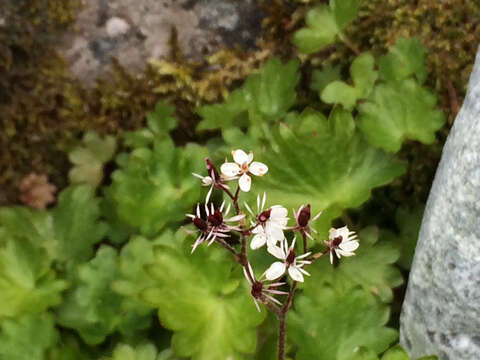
[(267, 226)]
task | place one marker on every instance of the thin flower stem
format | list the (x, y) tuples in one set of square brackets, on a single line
[(282, 327), (318, 255), (304, 242)]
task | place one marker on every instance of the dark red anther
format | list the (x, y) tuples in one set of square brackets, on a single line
[(216, 219), (211, 170), (264, 216), (257, 288), (290, 257), (337, 241), (200, 224), (304, 216)]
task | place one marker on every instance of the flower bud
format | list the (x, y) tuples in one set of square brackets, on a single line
[(211, 170), (304, 216), (200, 224), (257, 288), (216, 219)]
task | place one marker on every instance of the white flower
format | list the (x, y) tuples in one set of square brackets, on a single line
[(243, 167), (270, 223), (291, 263), (215, 226), (262, 291), (342, 241)]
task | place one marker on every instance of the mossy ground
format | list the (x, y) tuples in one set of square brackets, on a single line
[(45, 111)]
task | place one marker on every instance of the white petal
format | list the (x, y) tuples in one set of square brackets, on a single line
[(250, 157), (349, 246), (246, 275), (240, 157), (295, 274), (275, 270), (258, 241), (208, 194), (258, 229), (279, 214), (230, 169), (245, 182), (274, 231), (235, 218), (275, 251), (331, 257), (249, 209), (271, 241), (343, 232), (256, 304), (344, 253), (258, 168)]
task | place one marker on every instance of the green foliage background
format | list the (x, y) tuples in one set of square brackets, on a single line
[(107, 272)]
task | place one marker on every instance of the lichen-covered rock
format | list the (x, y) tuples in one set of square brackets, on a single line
[(441, 313), (134, 31)]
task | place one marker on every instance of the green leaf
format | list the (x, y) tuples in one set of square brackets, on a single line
[(341, 124), (264, 98), (404, 59), (35, 226), (160, 122), (321, 30), (396, 111), (209, 323), (232, 112), (363, 353), (408, 222), (76, 223), (132, 278), (69, 348), (372, 267), (88, 159), (155, 187), (27, 284), (27, 337), (345, 11), (272, 92), (363, 76), (330, 322), (92, 307), (330, 170), (324, 24), (396, 353), (141, 352), (321, 78)]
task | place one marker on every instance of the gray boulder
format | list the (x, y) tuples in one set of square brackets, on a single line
[(441, 312)]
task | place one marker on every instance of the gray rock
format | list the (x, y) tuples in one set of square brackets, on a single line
[(134, 31), (116, 26), (441, 312)]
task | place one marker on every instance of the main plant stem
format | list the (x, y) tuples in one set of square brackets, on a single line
[(282, 326)]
